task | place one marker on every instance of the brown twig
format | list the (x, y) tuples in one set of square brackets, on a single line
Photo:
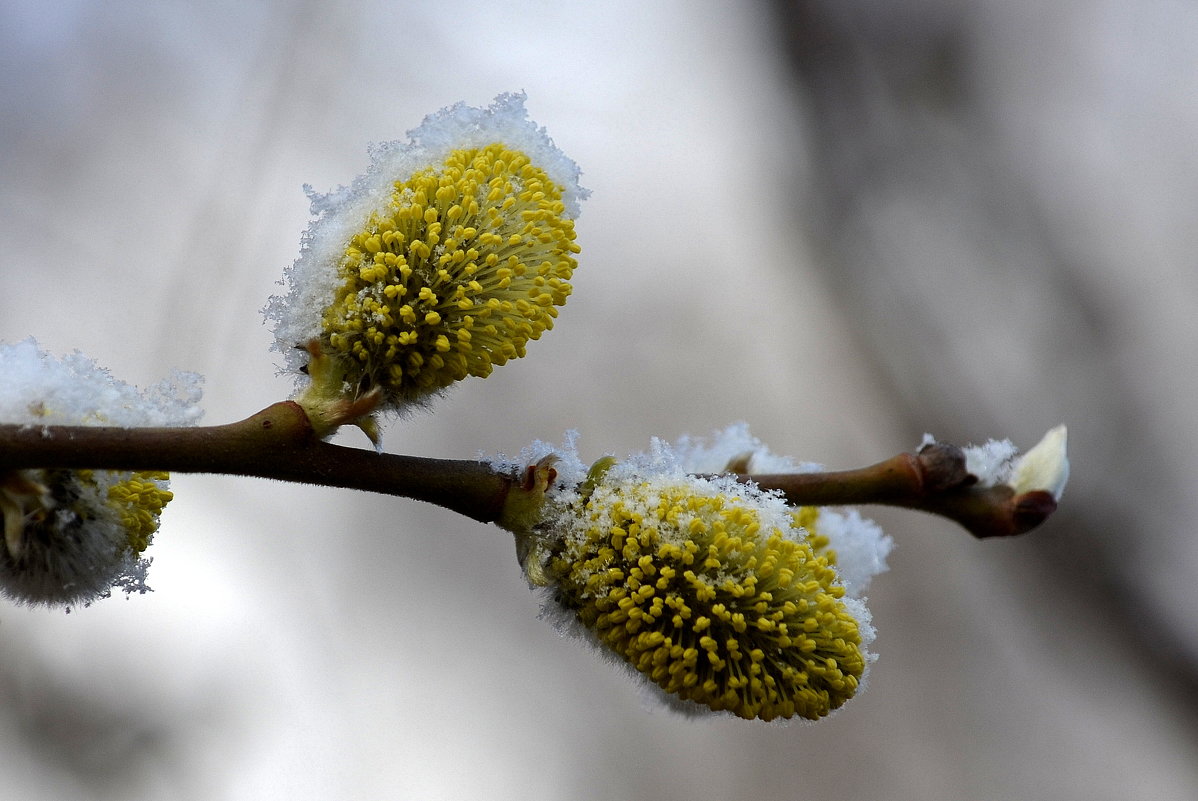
[(933, 480), (279, 442)]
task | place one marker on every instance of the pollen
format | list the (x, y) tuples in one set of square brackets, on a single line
[(466, 265), (710, 598)]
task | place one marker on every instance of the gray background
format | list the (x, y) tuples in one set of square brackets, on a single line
[(845, 222)]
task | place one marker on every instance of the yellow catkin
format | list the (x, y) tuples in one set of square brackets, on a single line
[(710, 605), (469, 263)]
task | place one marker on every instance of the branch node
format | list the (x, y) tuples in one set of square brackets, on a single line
[(942, 467)]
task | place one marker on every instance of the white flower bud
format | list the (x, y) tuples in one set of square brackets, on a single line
[(1045, 467)]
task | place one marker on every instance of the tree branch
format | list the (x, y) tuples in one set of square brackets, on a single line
[(279, 442), (933, 480)]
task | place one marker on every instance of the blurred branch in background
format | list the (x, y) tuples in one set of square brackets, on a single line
[(951, 188)]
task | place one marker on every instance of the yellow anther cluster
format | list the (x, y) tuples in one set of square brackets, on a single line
[(466, 266), (807, 518), (139, 501), (710, 603)]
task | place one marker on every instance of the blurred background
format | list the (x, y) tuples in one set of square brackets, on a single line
[(847, 222)]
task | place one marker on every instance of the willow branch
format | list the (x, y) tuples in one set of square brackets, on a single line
[(933, 480), (279, 442)]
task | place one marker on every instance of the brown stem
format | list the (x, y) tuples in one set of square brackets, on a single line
[(933, 480), (277, 442)]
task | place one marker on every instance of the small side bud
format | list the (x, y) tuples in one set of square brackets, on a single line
[(329, 400), (523, 511), (1015, 492)]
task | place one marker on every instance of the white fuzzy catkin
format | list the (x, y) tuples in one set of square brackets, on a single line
[(65, 540)]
